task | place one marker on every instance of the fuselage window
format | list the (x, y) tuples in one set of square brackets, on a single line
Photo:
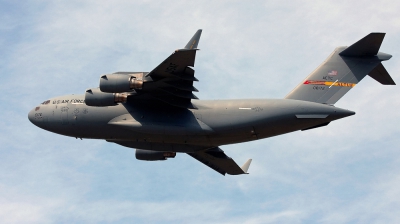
[(46, 102)]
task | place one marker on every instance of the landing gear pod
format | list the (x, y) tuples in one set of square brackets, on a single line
[(119, 83), (97, 98), (150, 155)]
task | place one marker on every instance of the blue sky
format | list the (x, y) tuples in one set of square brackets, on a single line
[(347, 172)]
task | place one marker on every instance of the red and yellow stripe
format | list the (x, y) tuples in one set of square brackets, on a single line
[(324, 83)]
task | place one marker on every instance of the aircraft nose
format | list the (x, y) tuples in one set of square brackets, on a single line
[(31, 116)]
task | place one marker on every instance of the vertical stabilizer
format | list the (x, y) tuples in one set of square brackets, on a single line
[(343, 70)]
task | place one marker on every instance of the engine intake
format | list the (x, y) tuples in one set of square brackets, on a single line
[(119, 83), (97, 98), (150, 155)]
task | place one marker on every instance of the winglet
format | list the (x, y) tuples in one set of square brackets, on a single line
[(246, 166), (367, 46), (192, 44)]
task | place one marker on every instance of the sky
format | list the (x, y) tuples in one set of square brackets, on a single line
[(346, 172)]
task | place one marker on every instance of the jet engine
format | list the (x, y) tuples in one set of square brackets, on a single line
[(97, 98), (119, 83), (150, 155)]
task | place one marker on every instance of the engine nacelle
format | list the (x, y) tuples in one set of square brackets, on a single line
[(119, 83), (150, 155), (97, 98)]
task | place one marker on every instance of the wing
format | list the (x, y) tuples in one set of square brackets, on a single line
[(216, 159), (172, 81)]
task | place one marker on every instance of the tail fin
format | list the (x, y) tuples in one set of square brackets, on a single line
[(343, 69)]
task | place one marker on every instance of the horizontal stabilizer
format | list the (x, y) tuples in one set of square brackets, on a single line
[(367, 46), (343, 70), (380, 74)]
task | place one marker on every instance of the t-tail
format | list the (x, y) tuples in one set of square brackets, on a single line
[(343, 69)]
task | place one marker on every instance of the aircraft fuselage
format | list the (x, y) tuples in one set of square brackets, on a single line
[(214, 123), (157, 113)]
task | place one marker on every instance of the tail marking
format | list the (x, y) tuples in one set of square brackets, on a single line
[(330, 84), (343, 69)]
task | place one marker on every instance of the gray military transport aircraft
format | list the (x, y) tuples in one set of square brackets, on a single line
[(157, 113)]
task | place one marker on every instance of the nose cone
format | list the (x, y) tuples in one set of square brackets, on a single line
[(35, 117), (31, 116)]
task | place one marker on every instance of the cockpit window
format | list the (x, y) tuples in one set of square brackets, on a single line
[(46, 102)]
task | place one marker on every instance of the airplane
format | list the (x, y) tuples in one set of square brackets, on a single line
[(157, 113)]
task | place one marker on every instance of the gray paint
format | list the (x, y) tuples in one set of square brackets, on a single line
[(176, 123)]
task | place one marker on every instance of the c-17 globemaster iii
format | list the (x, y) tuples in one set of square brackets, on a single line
[(157, 113)]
